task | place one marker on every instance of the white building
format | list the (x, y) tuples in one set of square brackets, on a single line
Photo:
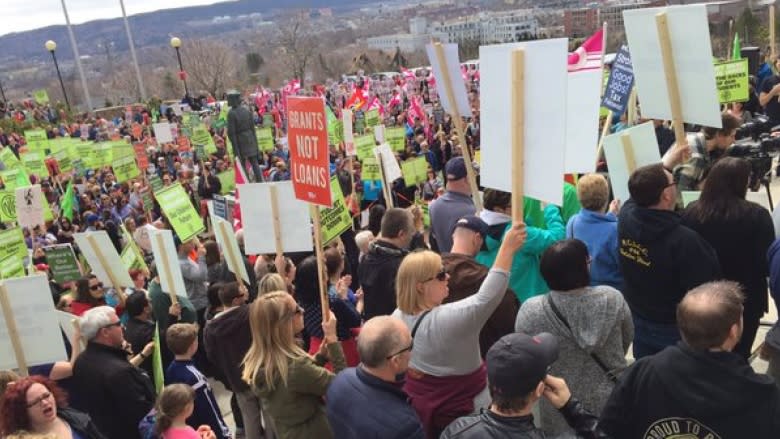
[(491, 28), (404, 42), (418, 26)]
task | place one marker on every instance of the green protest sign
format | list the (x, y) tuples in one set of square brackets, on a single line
[(132, 259), (41, 97), (265, 139), (125, 169), (12, 244), (10, 178), (335, 220), (36, 140), (11, 267), (7, 206), (178, 208), (227, 180), (60, 153), (731, 78), (9, 159), (396, 137), (415, 171), (268, 120), (426, 214), (201, 136), (101, 155), (370, 169), (83, 151), (155, 183), (372, 117), (335, 132), (62, 263), (148, 202), (364, 145), (33, 163)]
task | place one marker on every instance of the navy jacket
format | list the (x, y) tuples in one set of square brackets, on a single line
[(362, 406)]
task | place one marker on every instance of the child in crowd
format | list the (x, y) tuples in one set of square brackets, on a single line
[(175, 404), (182, 339)]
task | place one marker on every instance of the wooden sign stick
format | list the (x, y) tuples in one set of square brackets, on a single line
[(324, 302), (223, 229), (277, 222), (353, 194), (604, 132), (13, 332), (386, 189), (167, 268), (628, 152), (101, 257), (518, 133), (456, 117), (662, 24)]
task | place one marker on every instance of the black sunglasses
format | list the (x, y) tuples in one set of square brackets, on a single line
[(96, 286), (440, 276), (406, 349)]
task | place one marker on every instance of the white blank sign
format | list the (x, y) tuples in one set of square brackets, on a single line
[(583, 100), (452, 64), (257, 218), (164, 249), (645, 149), (111, 261)]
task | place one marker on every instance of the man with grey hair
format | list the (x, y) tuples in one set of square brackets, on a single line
[(385, 347), (105, 384)]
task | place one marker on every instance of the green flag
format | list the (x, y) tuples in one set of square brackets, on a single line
[(66, 208), (736, 51), (157, 368)]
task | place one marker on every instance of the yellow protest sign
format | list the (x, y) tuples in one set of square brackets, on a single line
[(335, 220), (178, 208), (731, 78)]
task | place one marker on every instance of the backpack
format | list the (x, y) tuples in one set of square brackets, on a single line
[(146, 425)]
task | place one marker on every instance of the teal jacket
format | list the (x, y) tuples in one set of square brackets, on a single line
[(525, 280)]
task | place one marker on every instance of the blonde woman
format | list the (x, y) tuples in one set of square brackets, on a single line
[(271, 282), (446, 377), (290, 383)]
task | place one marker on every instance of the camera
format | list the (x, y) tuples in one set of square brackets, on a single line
[(759, 153)]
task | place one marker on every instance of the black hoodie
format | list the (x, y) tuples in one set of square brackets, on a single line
[(661, 260), (227, 337), (376, 273), (682, 393)]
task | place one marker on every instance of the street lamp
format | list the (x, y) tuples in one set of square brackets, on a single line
[(51, 46), (176, 44)]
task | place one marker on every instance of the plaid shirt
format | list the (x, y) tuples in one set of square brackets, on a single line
[(688, 175)]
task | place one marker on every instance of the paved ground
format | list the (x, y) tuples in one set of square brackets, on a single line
[(223, 396)]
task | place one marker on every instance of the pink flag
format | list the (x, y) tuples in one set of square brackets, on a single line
[(588, 56)]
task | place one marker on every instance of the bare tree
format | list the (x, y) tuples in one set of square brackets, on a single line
[(299, 45), (211, 66)]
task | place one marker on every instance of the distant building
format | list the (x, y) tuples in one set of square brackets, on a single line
[(491, 28), (612, 14), (578, 23), (418, 37)]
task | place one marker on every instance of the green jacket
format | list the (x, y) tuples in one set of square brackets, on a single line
[(525, 279), (534, 216), (297, 409)]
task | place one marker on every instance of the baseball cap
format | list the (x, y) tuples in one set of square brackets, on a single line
[(517, 362), (455, 169), (92, 218), (473, 223)]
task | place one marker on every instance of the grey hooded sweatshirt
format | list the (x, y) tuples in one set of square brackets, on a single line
[(601, 323)]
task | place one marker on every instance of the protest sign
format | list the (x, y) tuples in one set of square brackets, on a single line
[(37, 140), (101, 155), (451, 62), (220, 206), (227, 180), (226, 239), (620, 82), (364, 146), (60, 154), (691, 61), (125, 169), (370, 170), (12, 267), (689, 197), (12, 178), (12, 244), (731, 78), (100, 254), (66, 322), (29, 328), (167, 260), (349, 138), (29, 206), (140, 155), (62, 262), (7, 206), (372, 118), (268, 120), (9, 159), (201, 136), (583, 89), (544, 124), (156, 183), (415, 171), (265, 139), (626, 151), (178, 208), (163, 133), (257, 217), (392, 171), (33, 163), (396, 137), (309, 154), (41, 97), (337, 219), (131, 259), (379, 133)]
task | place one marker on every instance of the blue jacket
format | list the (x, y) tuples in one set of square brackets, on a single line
[(599, 232), (206, 408), (362, 406)]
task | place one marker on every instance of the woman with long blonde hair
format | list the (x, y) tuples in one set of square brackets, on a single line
[(290, 383)]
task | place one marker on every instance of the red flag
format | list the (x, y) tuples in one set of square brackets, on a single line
[(588, 56)]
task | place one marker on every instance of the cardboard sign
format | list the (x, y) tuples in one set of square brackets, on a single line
[(452, 65), (545, 119), (140, 155), (125, 169), (227, 181), (731, 78), (389, 163), (178, 208), (12, 244), (7, 206), (372, 117), (102, 257), (60, 154), (309, 155), (349, 138), (29, 206), (33, 163), (167, 261), (41, 97), (35, 318), (689, 197), (201, 136), (690, 39), (37, 140), (364, 146), (335, 220), (62, 263), (582, 120), (131, 258), (396, 137), (9, 159), (163, 133), (294, 219), (415, 171), (265, 139), (226, 239), (620, 82), (12, 267), (645, 152)]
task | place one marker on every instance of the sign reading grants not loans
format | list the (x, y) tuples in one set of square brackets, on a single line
[(308, 135)]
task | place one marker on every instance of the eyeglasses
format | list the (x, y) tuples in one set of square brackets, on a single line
[(441, 276), (406, 349), (110, 325), (39, 400), (96, 287)]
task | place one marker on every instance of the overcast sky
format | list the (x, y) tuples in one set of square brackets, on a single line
[(21, 15)]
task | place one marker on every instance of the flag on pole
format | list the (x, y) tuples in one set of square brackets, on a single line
[(736, 51), (66, 208), (157, 367), (588, 56)]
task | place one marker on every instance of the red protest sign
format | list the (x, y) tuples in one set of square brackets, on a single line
[(138, 130), (184, 144), (309, 157), (140, 155)]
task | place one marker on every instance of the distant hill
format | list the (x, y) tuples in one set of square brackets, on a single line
[(151, 28)]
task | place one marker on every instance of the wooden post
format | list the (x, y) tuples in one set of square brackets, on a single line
[(604, 132), (167, 268), (324, 302), (225, 236), (386, 189), (603, 54), (13, 332), (633, 111), (772, 31), (628, 152), (662, 24), (456, 117), (353, 193), (106, 267), (518, 133), (275, 216)]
